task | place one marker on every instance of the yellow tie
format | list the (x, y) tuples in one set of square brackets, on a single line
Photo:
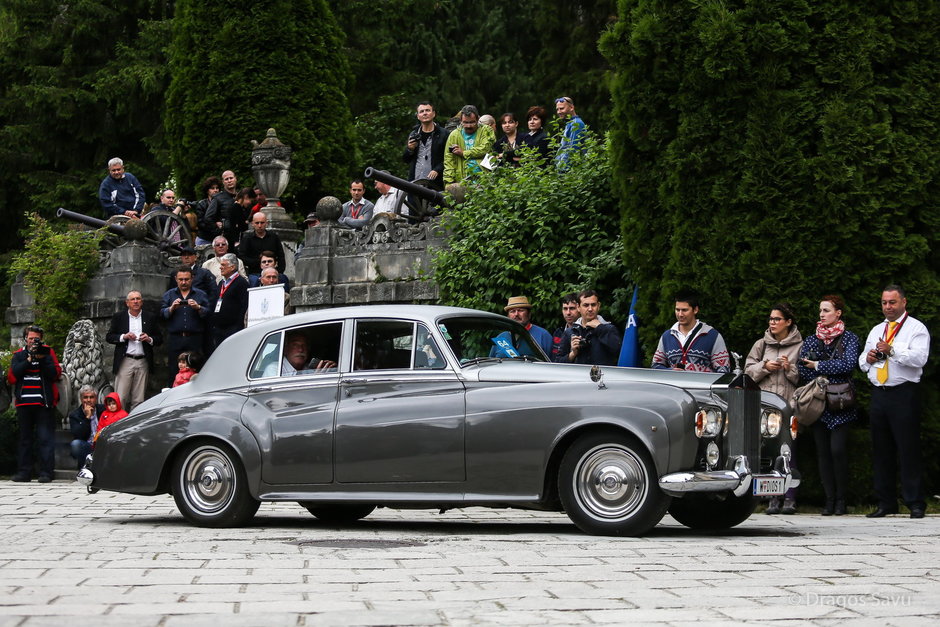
[(883, 370)]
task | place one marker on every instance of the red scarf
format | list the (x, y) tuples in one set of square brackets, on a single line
[(828, 334)]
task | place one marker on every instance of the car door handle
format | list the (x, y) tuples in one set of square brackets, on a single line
[(355, 381), (259, 389)]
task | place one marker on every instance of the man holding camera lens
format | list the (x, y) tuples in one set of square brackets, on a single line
[(33, 372), (893, 358), (591, 339)]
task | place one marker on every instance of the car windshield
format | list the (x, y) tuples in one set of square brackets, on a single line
[(474, 338)]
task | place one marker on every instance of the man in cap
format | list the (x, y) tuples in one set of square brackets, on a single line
[(519, 309)]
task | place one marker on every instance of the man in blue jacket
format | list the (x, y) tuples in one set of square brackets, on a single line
[(591, 339), (120, 193)]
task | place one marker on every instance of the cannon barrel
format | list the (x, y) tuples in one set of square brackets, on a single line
[(430, 195), (81, 218)]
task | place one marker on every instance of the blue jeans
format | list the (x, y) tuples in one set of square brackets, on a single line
[(39, 419), (79, 449)]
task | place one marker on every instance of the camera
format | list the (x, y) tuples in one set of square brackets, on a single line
[(811, 356), (414, 136), (453, 148), (881, 355), (579, 331), (37, 348)]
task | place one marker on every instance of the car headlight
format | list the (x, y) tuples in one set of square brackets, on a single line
[(712, 455), (770, 421), (708, 422)]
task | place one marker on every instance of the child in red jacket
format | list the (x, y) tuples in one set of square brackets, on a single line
[(112, 412)]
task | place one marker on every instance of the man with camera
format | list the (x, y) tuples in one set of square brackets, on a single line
[(424, 152), (893, 358), (185, 309), (690, 344), (33, 373), (591, 339)]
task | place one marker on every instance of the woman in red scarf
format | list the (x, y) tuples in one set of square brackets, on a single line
[(832, 352)]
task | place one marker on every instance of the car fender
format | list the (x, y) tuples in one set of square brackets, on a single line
[(525, 427), (142, 445)]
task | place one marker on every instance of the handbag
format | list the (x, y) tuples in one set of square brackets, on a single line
[(809, 401), (840, 396)]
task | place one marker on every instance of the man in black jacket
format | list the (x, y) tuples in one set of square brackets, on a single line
[(229, 316), (83, 423), (134, 333), (424, 152), (258, 240)]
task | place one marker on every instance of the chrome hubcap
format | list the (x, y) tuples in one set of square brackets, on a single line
[(208, 480), (610, 482)]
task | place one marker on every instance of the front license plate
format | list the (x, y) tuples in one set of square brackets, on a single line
[(768, 486)]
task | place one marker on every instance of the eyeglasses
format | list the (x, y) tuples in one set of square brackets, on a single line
[(267, 261), (220, 245), (564, 99), (774, 319)]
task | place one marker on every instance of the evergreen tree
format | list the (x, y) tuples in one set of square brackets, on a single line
[(83, 82), (778, 150), (239, 69)]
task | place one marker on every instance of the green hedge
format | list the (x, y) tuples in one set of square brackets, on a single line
[(780, 150)]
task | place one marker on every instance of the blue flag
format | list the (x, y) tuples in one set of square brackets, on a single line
[(630, 349)]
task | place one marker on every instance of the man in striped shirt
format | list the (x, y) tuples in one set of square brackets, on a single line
[(33, 372)]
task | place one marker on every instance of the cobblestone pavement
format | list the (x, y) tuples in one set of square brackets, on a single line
[(69, 558)]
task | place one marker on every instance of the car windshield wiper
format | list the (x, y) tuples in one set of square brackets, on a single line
[(524, 358), (477, 360)]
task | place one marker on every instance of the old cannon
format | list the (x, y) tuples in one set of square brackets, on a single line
[(163, 229), (421, 199)]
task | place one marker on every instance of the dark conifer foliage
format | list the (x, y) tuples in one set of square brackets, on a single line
[(779, 150), (238, 69)]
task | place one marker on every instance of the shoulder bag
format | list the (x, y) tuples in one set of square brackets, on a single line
[(809, 401), (840, 396)]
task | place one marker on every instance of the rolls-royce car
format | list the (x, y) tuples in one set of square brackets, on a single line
[(412, 406)]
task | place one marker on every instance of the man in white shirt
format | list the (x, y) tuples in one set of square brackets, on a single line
[(389, 200), (134, 333), (893, 358)]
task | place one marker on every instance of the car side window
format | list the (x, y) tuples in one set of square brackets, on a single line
[(268, 357), (304, 350), (427, 354), (383, 345)]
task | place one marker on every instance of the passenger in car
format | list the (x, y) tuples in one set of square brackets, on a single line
[(297, 358)]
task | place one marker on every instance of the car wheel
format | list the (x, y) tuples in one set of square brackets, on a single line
[(210, 488), (338, 514), (710, 512), (607, 485)]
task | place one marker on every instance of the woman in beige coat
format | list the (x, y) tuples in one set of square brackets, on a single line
[(772, 363)]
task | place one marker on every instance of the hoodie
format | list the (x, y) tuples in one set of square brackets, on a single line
[(110, 417), (769, 348)]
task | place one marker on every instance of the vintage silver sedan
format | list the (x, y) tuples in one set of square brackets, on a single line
[(348, 409)]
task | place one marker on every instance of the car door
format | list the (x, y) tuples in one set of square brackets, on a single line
[(291, 410), (401, 413)]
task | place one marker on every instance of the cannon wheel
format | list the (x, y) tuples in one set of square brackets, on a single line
[(167, 227), (419, 206)]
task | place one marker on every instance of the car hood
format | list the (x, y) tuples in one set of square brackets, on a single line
[(517, 371)]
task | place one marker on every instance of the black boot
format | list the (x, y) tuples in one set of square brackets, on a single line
[(773, 507), (840, 507), (829, 508)]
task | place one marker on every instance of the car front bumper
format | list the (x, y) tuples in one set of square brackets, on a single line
[(739, 480)]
